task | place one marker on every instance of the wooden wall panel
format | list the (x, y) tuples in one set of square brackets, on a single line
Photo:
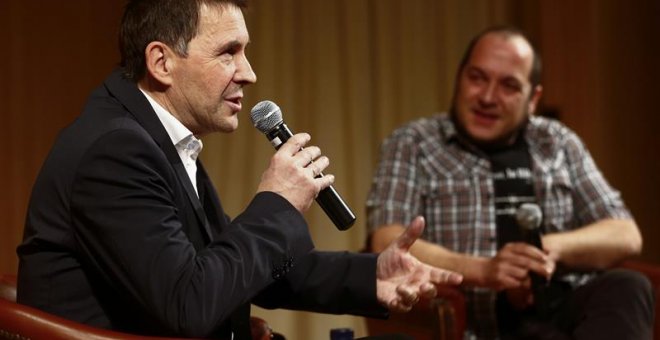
[(601, 72), (54, 53), (600, 62)]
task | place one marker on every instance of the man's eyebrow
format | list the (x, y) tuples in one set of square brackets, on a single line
[(230, 45), (474, 68), (513, 79)]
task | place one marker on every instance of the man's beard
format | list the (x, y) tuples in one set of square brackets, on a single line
[(501, 142)]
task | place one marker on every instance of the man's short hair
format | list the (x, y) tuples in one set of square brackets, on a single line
[(507, 31), (172, 22)]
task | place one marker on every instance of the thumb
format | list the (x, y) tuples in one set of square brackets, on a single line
[(411, 234)]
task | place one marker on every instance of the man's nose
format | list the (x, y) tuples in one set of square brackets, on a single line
[(488, 92), (244, 73)]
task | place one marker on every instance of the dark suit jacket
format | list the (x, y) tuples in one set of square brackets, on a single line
[(116, 237)]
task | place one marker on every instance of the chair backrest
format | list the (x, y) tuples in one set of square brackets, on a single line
[(8, 287), (22, 322), (442, 318)]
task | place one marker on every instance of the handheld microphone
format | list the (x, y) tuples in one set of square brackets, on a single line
[(528, 217), (267, 118)]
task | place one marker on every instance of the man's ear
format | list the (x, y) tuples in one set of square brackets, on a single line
[(535, 98), (160, 62)]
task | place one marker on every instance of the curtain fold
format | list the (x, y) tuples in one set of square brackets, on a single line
[(348, 72)]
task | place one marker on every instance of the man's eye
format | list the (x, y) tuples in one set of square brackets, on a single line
[(513, 87), (226, 56), (475, 77)]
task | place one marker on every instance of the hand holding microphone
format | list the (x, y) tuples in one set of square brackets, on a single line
[(267, 118), (291, 174)]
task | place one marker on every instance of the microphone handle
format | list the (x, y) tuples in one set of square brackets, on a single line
[(335, 207), (533, 237), (329, 200), (539, 283)]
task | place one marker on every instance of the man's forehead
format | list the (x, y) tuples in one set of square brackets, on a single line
[(219, 11), (503, 52), (221, 18)]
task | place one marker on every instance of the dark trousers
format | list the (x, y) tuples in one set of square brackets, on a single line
[(617, 305)]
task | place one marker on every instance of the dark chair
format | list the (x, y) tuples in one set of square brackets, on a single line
[(443, 318), (22, 322)]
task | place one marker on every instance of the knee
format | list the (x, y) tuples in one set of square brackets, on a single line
[(628, 280), (618, 304), (630, 286)]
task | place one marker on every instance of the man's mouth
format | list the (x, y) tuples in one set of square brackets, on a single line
[(484, 117), (234, 102)]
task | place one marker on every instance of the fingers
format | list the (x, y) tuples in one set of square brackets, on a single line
[(511, 267), (411, 234), (295, 172), (295, 144), (308, 157), (428, 291), (411, 292), (529, 258), (325, 181), (508, 282), (407, 291), (442, 276), (317, 166), (311, 160), (407, 295), (404, 298)]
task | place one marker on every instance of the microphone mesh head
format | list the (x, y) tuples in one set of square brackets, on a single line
[(266, 115), (529, 216)]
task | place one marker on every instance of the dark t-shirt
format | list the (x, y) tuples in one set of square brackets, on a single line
[(512, 178)]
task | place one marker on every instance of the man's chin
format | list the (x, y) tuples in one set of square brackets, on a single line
[(484, 137), (481, 135), (228, 128), (231, 124), (492, 140), (225, 125)]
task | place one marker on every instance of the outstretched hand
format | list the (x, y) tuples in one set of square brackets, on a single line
[(402, 279)]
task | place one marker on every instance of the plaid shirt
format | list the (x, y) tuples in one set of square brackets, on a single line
[(427, 169)]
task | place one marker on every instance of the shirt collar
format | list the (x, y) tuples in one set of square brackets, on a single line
[(447, 128), (180, 135), (450, 133)]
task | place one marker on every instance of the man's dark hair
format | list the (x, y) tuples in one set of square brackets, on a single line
[(508, 32), (172, 22)]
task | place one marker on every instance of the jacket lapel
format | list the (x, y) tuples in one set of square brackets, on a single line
[(128, 94)]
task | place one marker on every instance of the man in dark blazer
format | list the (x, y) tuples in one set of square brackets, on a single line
[(124, 229)]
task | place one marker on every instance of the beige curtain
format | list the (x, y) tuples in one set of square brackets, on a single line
[(348, 72)]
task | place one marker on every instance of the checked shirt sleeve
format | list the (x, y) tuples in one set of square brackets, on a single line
[(594, 198), (394, 196)]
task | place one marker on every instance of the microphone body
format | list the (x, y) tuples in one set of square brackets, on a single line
[(268, 113), (529, 218)]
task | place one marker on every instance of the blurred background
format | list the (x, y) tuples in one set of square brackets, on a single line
[(348, 72)]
